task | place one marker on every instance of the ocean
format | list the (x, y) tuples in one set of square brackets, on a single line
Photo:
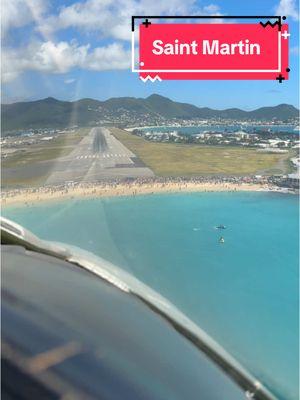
[(193, 130), (244, 292)]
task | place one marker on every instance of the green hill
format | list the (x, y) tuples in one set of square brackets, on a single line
[(53, 113)]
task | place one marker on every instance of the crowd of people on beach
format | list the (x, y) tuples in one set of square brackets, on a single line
[(132, 185)]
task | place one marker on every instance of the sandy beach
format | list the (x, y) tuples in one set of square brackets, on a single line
[(37, 195)]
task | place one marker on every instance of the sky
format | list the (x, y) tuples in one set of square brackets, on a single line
[(76, 49)]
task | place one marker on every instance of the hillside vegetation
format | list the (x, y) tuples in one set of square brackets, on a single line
[(52, 113)]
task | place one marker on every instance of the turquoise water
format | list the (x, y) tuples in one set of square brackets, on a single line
[(192, 130), (242, 292)]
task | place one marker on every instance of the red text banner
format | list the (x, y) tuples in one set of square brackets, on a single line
[(213, 51)]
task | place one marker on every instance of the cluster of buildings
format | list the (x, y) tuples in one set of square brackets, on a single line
[(150, 120), (123, 117), (130, 117), (19, 142), (264, 141)]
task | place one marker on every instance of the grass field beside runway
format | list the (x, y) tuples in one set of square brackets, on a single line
[(48, 150), (31, 165), (169, 159)]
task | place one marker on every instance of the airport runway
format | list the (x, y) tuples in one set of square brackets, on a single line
[(99, 156)]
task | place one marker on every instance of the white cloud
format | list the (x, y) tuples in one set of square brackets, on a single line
[(69, 81), (44, 57), (112, 18), (288, 8), (212, 9), (294, 51), (18, 13), (62, 57), (104, 18), (113, 56)]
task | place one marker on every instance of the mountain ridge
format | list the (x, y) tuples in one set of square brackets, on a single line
[(51, 112)]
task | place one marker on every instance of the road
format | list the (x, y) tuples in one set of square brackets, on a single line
[(99, 156)]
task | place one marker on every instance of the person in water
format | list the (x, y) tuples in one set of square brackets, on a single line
[(221, 227)]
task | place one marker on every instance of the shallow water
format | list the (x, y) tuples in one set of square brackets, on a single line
[(244, 292), (192, 130)]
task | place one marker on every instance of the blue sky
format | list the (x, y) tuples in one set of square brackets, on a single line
[(74, 49)]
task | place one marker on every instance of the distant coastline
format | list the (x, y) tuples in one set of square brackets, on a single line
[(131, 129), (208, 125), (152, 110), (25, 197)]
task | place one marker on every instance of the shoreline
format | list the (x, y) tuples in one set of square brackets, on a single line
[(207, 125), (31, 196)]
